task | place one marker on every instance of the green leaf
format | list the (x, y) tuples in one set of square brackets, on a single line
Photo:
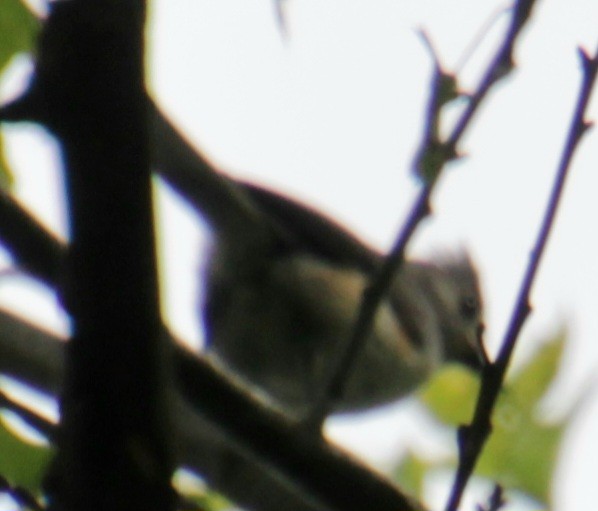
[(18, 30), (522, 450), (410, 474), (451, 395), (531, 382), (194, 490), (6, 176), (210, 501), (22, 463), (521, 453)]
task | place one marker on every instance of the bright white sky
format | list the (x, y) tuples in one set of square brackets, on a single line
[(332, 113)]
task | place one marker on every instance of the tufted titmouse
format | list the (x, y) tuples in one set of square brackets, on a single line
[(283, 287), (279, 314)]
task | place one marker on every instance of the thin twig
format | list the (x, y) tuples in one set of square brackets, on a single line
[(501, 65), (27, 239), (474, 44), (473, 436), (496, 501), (430, 160), (21, 496), (281, 20), (373, 295)]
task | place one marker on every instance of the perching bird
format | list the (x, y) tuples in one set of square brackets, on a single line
[(283, 287)]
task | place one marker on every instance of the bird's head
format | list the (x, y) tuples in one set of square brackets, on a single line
[(440, 305)]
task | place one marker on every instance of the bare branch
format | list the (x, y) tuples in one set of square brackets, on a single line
[(473, 436), (430, 160), (26, 238), (243, 449), (36, 357)]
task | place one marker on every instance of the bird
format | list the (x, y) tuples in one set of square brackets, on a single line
[(280, 317), (283, 284)]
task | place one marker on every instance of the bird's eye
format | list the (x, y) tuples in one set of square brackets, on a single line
[(469, 307)]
